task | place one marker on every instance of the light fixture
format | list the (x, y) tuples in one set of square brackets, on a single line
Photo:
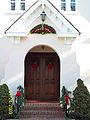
[(43, 15), (43, 47)]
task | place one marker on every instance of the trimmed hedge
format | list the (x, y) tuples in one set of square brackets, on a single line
[(81, 109), (6, 106)]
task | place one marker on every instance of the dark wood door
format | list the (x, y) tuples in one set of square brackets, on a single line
[(42, 76)]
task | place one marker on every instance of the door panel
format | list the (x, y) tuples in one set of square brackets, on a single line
[(42, 76)]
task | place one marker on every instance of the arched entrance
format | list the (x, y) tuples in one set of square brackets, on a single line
[(42, 75)]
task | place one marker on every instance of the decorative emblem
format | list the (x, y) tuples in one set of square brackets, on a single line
[(43, 29), (50, 65), (34, 65)]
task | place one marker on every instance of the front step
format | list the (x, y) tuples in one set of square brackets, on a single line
[(41, 111)]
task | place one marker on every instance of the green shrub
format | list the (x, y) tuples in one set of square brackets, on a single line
[(81, 110), (5, 103)]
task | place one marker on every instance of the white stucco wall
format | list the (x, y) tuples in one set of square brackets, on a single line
[(5, 51), (70, 70), (82, 48), (14, 67), (84, 8)]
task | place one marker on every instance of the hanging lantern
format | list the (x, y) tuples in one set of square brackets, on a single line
[(43, 15)]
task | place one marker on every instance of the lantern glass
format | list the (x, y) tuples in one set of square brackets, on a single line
[(43, 15)]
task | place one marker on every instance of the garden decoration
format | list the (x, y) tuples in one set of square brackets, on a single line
[(62, 99), (18, 101), (65, 101), (39, 29)]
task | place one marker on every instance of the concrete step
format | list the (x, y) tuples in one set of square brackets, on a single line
[(42, 110)]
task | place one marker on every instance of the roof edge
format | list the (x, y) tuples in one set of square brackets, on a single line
[(65, 17), (20, 17)]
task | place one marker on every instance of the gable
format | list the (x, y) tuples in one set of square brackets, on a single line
[(32, 17)]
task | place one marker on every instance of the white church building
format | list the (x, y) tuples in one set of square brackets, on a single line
[(44, 45)]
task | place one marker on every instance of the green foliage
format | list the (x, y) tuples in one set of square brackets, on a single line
[(4, 102), (82, 102)]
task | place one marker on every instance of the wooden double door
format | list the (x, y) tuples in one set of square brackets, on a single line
[(42, 76)]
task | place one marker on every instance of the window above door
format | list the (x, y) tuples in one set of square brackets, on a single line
[(13, 5), (17, 5), (69, 5), (66, 6)]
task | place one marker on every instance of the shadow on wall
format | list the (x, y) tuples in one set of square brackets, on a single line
[(13, 83), (86, 77)]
